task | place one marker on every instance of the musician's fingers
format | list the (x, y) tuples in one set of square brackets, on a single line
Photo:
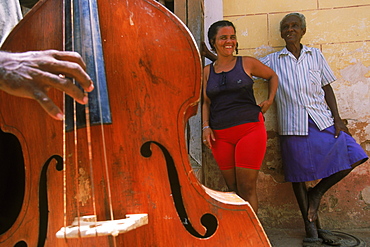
[(48, 105), (62, 83), (69, 64)]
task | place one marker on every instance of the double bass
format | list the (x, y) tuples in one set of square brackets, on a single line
[(115, 173)]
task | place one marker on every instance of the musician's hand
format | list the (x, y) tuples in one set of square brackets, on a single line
[(32, 74)]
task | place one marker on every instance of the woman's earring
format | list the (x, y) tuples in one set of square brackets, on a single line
[(236, 48)]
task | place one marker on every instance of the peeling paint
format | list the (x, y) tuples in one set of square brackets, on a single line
[(245, 33), (352, 90), (263, 51), (355, 72)]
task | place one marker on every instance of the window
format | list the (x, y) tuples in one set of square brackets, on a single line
[(170, 4)]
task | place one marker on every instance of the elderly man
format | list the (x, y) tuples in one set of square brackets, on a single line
[(315, 142)]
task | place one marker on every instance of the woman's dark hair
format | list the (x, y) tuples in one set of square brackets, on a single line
[(213, 29)]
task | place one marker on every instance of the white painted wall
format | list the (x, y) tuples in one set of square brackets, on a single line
[(213, 11)]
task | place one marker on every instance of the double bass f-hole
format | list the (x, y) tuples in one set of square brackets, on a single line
[(209, 221)]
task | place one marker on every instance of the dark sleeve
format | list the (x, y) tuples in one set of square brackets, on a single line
[(28, 3)]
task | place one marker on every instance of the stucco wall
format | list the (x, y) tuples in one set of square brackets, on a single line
[(341, 29)]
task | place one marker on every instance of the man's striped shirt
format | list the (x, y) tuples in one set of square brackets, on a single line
[(300, 92)]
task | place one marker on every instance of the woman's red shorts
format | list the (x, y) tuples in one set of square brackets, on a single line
[(240, 146)]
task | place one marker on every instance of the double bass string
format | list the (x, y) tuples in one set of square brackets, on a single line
[(64, 142), (64, 168), (84, 31), (88, 130), (69, 38), (82, 34), (90, 153), (94, 20), (75, 136)]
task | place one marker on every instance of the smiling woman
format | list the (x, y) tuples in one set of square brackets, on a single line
[(225, 42), (232, 120)]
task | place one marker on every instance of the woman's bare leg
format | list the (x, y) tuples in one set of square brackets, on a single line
[(246, 182)]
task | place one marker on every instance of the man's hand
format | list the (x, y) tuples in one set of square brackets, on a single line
[(32, 74)]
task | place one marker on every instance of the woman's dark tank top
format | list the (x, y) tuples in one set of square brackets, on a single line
[(232, 97)]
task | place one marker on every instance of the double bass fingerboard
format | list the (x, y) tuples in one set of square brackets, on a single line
[(82, 35)]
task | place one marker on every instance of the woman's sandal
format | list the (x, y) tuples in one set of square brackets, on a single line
[(312, 242), (328, 237)]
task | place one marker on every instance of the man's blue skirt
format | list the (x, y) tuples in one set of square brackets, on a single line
[(319, 154)]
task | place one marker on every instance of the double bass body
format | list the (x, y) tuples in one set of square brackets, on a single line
[(135, 164)]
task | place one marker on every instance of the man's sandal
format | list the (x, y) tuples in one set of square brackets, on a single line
[(328, 237)]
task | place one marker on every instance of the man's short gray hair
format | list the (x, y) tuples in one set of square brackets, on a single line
[(299, 15)]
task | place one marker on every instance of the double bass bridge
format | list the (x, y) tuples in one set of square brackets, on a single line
[(88, 226)]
